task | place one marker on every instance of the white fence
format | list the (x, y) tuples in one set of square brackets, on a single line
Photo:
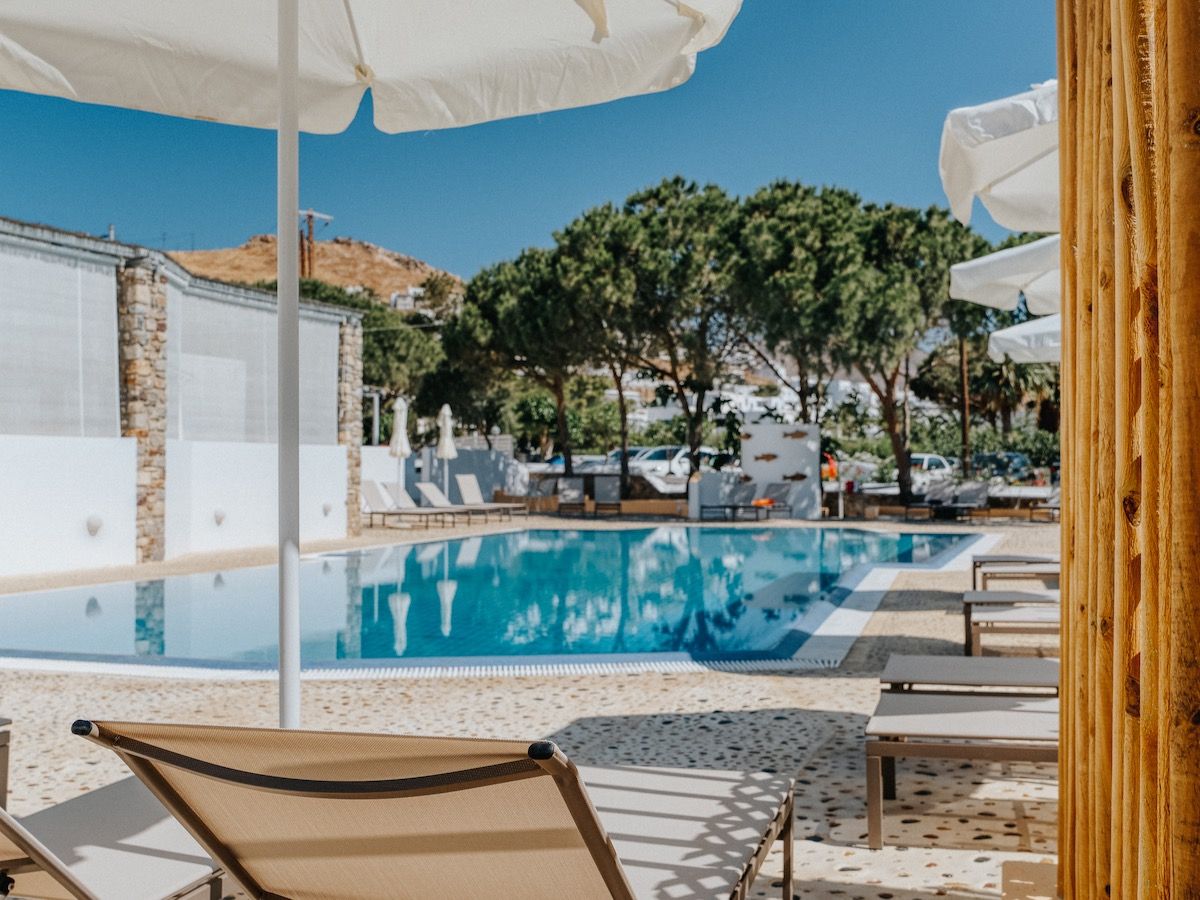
[(222, 495), (67, 503)]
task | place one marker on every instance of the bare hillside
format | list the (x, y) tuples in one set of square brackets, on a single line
[(342, 261)]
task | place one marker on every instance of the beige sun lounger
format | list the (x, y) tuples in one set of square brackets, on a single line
[(468, 488), (994, 599), (385, 505), (306, 815), (1005, 559), (117, 841), (1018, 572), (1012, 620), (435, 498), (945, 674), (946, 726)]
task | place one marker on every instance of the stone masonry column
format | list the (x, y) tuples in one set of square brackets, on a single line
[(142, 351), (350, 425)]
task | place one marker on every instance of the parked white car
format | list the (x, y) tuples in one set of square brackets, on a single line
[(672, 459), (926, 468)]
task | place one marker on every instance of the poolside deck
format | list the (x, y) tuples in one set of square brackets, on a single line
[(947, 836)]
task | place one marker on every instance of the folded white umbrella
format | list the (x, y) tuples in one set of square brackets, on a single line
[(446, 450), (1000, 279), (292, 66), (399, 446), (1005, 153), (1035, 341)]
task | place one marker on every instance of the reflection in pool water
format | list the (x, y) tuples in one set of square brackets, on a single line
[(706, 593)]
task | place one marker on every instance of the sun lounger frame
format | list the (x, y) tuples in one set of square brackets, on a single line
[(1005, 559), (972, 599), (544, 758), (1018, 572), (981, 627), (883, 753)]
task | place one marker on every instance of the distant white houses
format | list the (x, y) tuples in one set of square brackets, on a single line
[(137, 407)]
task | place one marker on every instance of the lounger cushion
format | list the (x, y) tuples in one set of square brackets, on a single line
[(1011, 597), (684, 833), (119, 841), (976, 671), (945, 717), (1017, 615)]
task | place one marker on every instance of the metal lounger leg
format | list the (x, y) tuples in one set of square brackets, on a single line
[(874, 802), (967, 607), (889, 778), (5, 738), (788, 838)]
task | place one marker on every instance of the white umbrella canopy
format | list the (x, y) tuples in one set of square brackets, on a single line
[(1005, 153), (1035, 341), (429, 63), (292, 66), (1000, 279)]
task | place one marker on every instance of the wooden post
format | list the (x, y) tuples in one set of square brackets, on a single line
[(1179, 274), (1129, 103)]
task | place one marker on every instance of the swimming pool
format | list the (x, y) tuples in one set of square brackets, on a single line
[(698, 593)]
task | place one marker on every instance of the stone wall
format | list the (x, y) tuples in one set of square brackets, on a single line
[(142, 355), (350, 420)]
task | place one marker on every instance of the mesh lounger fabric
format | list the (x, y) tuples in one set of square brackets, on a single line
[(117, 841), (511, 838)]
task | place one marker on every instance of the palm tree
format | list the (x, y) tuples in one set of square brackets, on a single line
[(1005, 387)]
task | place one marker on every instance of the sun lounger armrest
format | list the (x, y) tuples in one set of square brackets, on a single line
[(555, 763)]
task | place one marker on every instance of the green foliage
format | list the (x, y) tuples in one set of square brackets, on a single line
[(684, 269), (666, 431), (800, 255), (524, 320)]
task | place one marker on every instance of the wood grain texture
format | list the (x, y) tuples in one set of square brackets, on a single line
[(1129, 96)]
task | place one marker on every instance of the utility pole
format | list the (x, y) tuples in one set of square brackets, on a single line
[(307, 243)]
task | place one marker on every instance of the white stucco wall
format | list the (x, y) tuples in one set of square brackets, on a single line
[(236, 483), (50, 486), (774, 452)]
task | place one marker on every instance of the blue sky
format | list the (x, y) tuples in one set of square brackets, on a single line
[(848, 92)]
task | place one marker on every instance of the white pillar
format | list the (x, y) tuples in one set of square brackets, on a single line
[(288, 274)]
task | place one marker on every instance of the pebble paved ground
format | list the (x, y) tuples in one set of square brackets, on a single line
[(946, 836)]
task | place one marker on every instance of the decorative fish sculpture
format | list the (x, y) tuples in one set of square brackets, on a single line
[(795, 476), (746, 435), (766, 457), (796, 435)]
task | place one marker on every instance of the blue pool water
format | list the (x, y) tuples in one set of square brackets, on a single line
[(706, 593)]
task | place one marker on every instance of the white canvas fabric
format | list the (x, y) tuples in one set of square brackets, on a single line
[(399, 446), (445, 442), (428, 63), (999, 279), (1035, 341), (1005, 153), (58, 344)]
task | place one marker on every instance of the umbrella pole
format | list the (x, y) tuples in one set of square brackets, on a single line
[(288, 364)]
